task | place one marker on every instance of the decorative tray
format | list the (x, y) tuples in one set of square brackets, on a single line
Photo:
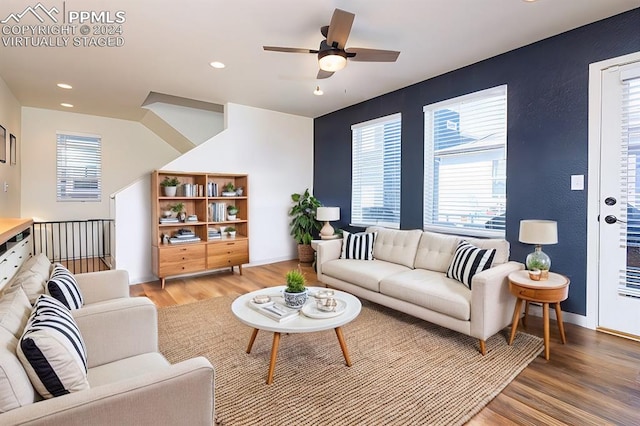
[(310, 310)]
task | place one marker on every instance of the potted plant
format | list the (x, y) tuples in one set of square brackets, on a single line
[(178, 209), (231, 231), (229, 190), (304, 223), (295, 293), (232, 211), (170, 186)]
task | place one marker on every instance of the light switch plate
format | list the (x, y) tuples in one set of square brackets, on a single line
[(577, 182)]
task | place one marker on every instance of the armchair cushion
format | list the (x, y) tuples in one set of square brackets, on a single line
[(468, 260), (63, 286), (52, 350)]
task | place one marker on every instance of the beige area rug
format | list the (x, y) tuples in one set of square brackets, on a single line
[(405, 371)]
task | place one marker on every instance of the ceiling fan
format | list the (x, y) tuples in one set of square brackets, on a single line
[(332, 55)]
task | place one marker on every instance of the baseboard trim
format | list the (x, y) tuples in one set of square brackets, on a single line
[(619, 333), (581, 320)]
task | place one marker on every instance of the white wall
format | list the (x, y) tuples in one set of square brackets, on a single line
[(10, 119), (197, 125), (275, 149), (129, 151)]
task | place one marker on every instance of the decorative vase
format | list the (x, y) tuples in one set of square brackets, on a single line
[(306, 254), (239, 191), (170, 191), (295, 300)]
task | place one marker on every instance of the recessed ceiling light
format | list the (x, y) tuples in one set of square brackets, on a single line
[(66, 105), (65, 86), (218, 65), (318, 92), (529, 1)]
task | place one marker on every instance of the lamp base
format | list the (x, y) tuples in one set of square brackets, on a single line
[(329, 237), (327, 232), (539, 260)]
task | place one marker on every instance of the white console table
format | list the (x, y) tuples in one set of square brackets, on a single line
[(15, 246)]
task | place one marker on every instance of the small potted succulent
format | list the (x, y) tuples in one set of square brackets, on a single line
[(229, 190), (170, 186), (232, 211), (295, 294), (231, 231)]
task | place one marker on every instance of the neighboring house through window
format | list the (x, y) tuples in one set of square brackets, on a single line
[(375, 192), (465, 155), (78, 167)]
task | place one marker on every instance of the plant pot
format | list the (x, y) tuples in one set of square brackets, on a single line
[(170, 191), (295, 300), (306, 254), (232, 234), (228, 194), (231, 217)]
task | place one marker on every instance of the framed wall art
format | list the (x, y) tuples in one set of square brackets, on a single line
[(3, 145), (13, 146)]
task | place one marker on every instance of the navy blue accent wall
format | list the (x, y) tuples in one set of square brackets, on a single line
[(547, 137)]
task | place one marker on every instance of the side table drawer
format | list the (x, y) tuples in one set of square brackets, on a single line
[(547, 295), (181, 259)]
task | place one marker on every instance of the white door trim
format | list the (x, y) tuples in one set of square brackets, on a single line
[(593, 185)]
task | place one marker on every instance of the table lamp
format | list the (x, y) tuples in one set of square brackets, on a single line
[(327, 214), (538, 232)]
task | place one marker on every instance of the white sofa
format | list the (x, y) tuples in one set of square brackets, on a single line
[(408, 274), (130, 381)]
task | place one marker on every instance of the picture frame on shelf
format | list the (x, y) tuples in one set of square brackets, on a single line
[(3, 145), (13, 146)]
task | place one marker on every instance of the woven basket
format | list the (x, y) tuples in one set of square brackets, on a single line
[(306, 253)]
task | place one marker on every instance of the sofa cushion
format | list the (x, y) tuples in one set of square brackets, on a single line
[(435, 251), (15, 387), (52, 350), (364, 274), (431, 290), (39, 264), (396, 246), (14, 312), (31, 282), (63, 286), (500, 245), (126, 368), (358, 246), (468, 260)]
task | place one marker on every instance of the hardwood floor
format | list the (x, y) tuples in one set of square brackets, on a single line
[(592, 380)]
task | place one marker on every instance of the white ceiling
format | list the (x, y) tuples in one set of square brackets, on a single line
[(168, 46)]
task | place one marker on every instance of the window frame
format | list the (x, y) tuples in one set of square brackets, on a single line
[(429, 192), (69, 185)]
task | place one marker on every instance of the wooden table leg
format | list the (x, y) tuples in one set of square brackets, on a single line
[(545, 319), (252, 339), (274, 354), (526, 313), (560, 324), (343, 346), (516, 317)]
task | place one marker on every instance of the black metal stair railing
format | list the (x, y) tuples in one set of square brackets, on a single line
[(80, 245)]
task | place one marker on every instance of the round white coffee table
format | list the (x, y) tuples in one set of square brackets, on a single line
[(248, 315)]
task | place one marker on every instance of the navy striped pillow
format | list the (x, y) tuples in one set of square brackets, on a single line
[(52, 351), (468, 260), (63, 286), (358, 246)]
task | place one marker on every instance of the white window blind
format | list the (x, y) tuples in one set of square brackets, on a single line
[(630, 177), (375, 192), (78, 167), (465, 158)]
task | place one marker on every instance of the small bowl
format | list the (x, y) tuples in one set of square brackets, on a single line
[(326, 305), (324, 294), (260, 299)]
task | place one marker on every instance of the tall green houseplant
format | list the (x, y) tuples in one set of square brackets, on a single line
[(304, 223)]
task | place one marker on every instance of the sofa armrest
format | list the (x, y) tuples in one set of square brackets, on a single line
[(491, 302), (103, 285), (180, 394), (118, 329), (327, 250)]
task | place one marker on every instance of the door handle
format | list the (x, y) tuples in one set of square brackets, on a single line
[(611, 219)]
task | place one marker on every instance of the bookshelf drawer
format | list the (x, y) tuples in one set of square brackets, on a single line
[(179, 260), (227, 253)]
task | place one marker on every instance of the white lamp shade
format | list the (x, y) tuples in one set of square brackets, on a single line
[(327, 214), (538, 232)]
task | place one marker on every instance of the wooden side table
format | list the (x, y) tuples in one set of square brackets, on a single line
[(554, 290)]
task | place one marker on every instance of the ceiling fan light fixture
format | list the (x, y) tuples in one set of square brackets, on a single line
[(332, 60), (318, 92)]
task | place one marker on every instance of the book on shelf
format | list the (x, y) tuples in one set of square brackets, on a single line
[(276, 311), (174, 240), (217, 212), (169, 220), (212, 189)]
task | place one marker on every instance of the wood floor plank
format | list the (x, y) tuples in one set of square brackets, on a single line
[(593, 379)]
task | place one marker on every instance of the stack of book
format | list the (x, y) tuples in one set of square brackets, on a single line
[(192, 218), (214, 233), (169, 220), (217, 212), (276, 311), (184, 236), (212, 189)]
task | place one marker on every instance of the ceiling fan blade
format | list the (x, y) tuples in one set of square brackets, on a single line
[(288, 49), (324, 74), (339, 28), (372, 55)]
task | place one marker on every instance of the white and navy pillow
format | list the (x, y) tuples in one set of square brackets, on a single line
[(468, 260), (52, 351), (358, 246), (63, 286)]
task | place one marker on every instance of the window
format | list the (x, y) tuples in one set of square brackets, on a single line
[(465, 161), (375, 192), (78, 167)]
